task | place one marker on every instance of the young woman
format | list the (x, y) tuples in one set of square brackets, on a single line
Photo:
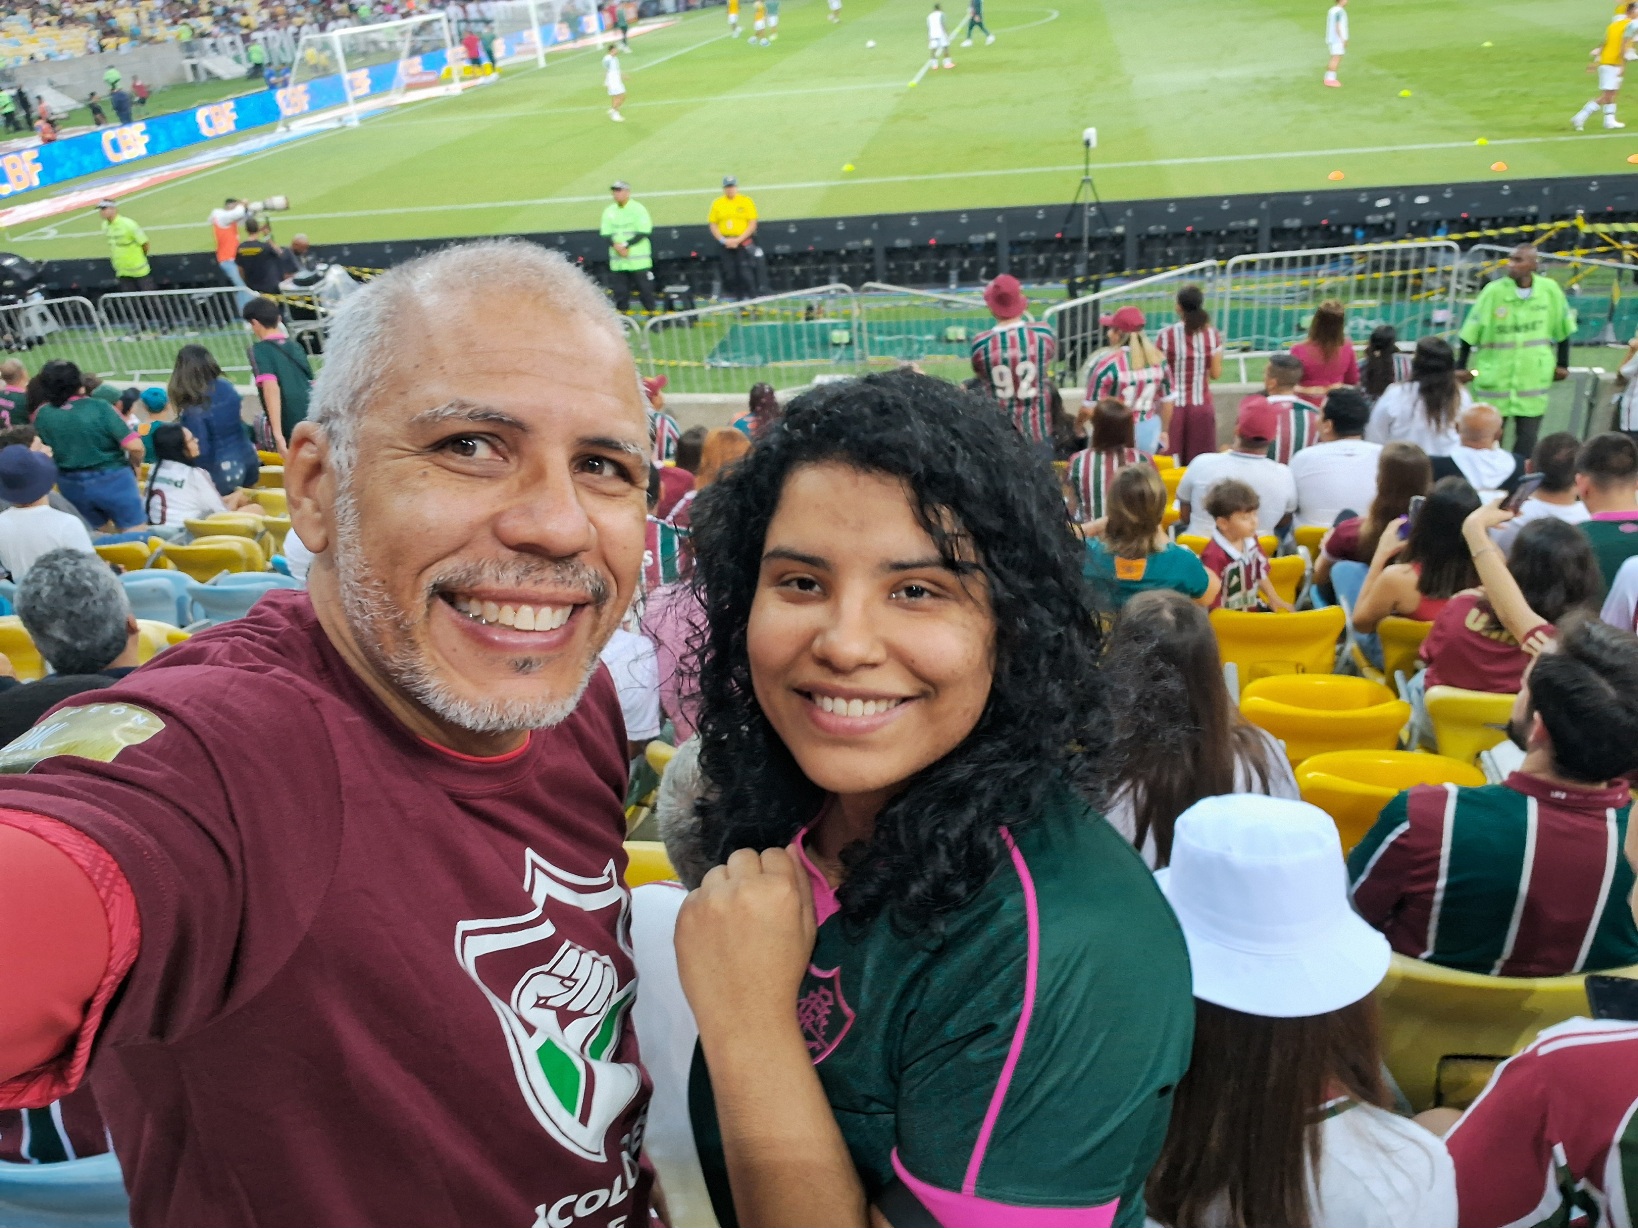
[(178, 490), (210, 407), (1435, 565), (1132, 555), (1093, 468), (1183, 739), (1423, 409), (1403, 471), (1282, 1118), (1194, 357), (1132, 371), (931, 984), (1327, 359), (1383, 364)]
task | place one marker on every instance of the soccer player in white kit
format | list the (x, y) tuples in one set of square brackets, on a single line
[(938, 38), (1336, 40), (612, 82), (836, 11)]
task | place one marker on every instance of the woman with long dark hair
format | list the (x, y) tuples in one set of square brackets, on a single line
[(1183, 739), (178, 489), (1435, 565), (762, 410), (1383, 364), (1283, 1117), (1403, 472), (211, 408), (1327, 359), (1194, 357), (1423, 409), (1111, 448), (930, 983)]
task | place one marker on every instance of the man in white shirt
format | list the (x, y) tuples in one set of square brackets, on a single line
[(938, 39), (1337, 474), (634, 664), (1254, 429), (1554, 459), (1479, 456), (1336, 40), (1621, 606), (30, 528)]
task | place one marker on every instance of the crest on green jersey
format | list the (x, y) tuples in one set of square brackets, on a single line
[(561, 1006)]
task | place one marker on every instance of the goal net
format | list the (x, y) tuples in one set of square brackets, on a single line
[(524, 29), (341, 74)]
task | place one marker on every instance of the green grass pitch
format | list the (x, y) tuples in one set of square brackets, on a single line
[(1187, 100)]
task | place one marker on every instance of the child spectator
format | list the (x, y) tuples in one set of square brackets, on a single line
[(1234, 554), (284, 377), (1182, 738), (13, 392), (98, 116), (1383, 364), (29, 528), (1132, 555), (156, 405), (1093, 469), (1283, 1117)]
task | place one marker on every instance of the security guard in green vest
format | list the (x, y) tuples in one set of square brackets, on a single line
[(627, 227), (1517, 335)]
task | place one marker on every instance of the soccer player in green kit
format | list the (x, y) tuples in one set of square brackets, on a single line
[(975, 21), (1519, 330), (931, 983)]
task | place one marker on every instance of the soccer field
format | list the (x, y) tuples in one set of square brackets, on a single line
[(1187, 100)]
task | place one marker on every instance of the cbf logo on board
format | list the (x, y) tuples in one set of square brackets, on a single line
[(561, 1005)]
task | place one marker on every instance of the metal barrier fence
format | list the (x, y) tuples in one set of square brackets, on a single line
[(930, 328), (779, 339), (56, 328), (1605, 314), (144, 330), (1076, 323), (1266, 300)]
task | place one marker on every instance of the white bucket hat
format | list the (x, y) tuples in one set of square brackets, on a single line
[(1260, 888)]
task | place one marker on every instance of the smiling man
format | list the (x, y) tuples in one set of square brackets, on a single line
[(369, 964)]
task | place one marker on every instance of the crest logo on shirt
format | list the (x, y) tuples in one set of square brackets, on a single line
[(823, 1013), (94, 731), (563, 1015)]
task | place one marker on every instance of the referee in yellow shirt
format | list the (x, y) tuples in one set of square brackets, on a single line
[(733, 224)]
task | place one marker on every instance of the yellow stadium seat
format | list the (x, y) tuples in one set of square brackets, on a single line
[(1164, 461), (659, 754), (156, 637), (276, 527), (133, 556), (272, 459), (1316, 713), (1173, 478), (1304, 642), (18, 647), (1401, 641), (211, 556), (1467, 723), (1286, 573), (1443, 1030), (646, 862), (1310, 535), (1171, 517), (271, 476), (228, 524), (1352, 786), (272, 501)]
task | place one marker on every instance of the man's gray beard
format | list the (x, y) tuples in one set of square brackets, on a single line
[(368, 607)]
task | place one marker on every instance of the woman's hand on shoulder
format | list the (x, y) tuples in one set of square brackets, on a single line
[(744, 938)]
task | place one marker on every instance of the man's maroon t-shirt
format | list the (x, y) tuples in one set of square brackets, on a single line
[(378, 983)]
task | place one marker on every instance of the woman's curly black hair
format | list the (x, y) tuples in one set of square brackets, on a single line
[(981, 494)]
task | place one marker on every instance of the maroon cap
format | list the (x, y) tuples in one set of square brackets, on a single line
[(653, 384), (1126, 320), (1259, 418), (1005, 297)]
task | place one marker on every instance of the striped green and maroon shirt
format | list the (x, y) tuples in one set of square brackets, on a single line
[(1140, 389), (1090, 474), (1524, 878), (1553, 1139), (1015, 363), (1298, 427), (663, 433)]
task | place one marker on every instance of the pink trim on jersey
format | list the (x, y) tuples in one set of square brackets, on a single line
[(825, 905), (267, 379), (488, 759), (1032, 917), (133, 437), (966, 1211)]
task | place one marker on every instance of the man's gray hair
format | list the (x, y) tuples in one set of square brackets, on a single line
[(371, 328), (74, 608)]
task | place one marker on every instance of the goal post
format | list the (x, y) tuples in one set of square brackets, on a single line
[(339, 74), (524, 29)]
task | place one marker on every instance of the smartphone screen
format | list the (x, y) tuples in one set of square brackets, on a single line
[(1527, 486), (1612, 997), (1410, 514)]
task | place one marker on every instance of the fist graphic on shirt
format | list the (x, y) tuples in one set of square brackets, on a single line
[(575, 980)]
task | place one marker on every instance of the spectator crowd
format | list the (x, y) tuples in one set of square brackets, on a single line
[(999, 904)]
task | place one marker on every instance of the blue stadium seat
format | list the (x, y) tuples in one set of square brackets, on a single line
[(254, 579), (158, 595), (221, 602), (87, 1193)]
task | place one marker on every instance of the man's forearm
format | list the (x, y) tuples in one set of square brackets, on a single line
[(272, 400), (787, 1162)]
